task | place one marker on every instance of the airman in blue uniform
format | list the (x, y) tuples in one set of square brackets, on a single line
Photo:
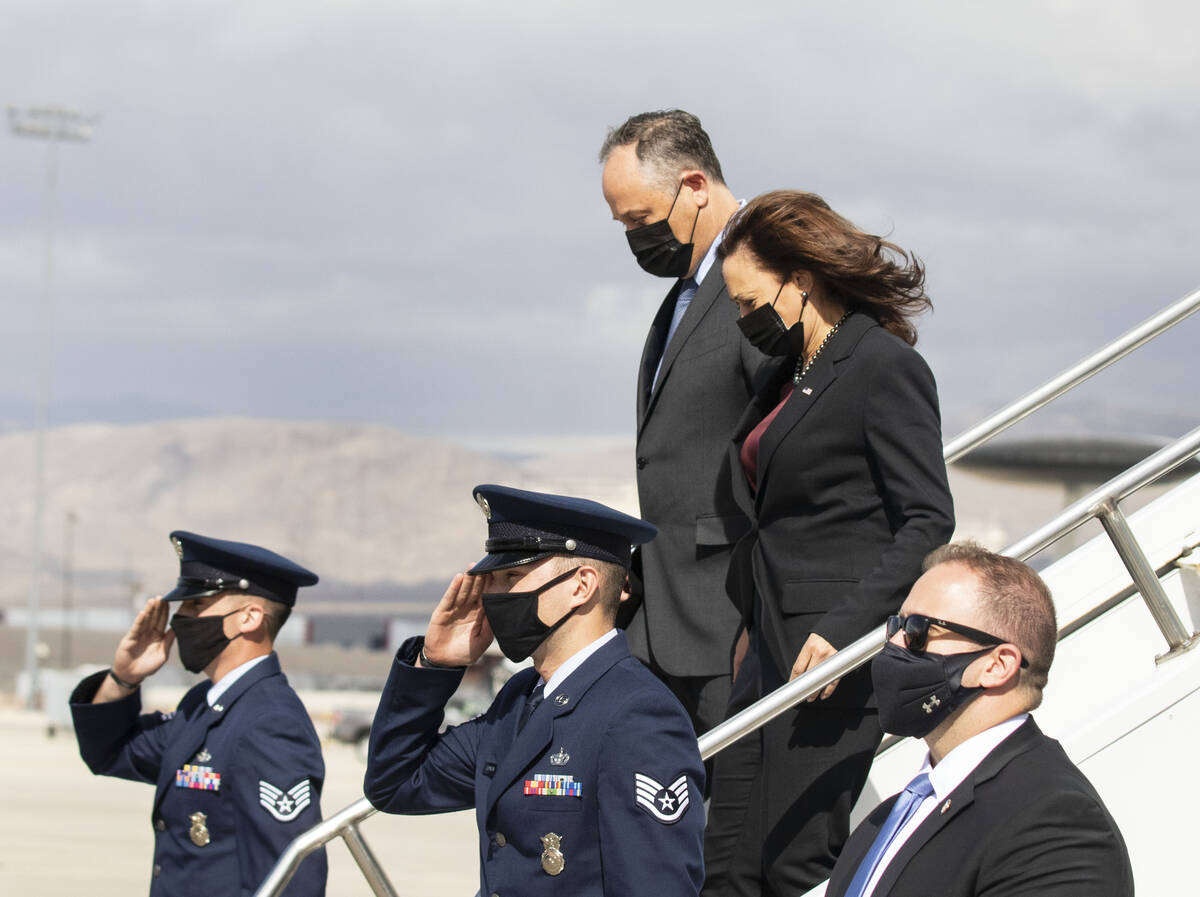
[(237, 766), (584, 773)]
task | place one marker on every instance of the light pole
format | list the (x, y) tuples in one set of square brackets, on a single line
[(53, 124)]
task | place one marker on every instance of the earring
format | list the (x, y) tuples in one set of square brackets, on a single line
[(804, 295)]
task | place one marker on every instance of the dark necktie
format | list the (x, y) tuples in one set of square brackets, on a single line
[(902, 811), (531, 704)]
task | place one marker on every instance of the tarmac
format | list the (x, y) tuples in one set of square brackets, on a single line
[(64, 831)]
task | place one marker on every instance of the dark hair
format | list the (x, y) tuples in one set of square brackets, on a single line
[(277, 614), (1015, 602), (668, 141), (610, 580), (789, 231)]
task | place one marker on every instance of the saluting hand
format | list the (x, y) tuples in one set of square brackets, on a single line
[(147, 644), (815, 650), (458, 632)]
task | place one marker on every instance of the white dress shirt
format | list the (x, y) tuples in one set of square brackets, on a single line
[(227, 681), (945, 777), (575, 661)]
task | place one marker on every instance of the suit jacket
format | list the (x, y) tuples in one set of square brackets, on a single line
[(251, 764), (608, 764), (686, 621), (851, 496), (1026, 822)]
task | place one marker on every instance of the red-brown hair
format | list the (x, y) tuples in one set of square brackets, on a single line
[(789, 231)]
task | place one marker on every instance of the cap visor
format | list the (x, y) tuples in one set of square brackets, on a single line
[(502, 560), (183, 593)]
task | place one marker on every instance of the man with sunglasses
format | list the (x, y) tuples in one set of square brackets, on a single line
[(997, 808), (584, 773), (237, 766)]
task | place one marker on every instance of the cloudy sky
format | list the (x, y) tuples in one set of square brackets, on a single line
[(391, 212)]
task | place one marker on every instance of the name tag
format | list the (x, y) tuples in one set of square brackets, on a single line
[(200, 778)]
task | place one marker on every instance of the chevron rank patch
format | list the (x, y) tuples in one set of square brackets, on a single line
[(201, 778), (285, 805), (543, 785), (666, 803)]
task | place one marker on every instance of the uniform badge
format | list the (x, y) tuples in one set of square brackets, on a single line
[(561, 758), (285, 805), (553, 860), (202, 756), (199, 830), (666, 803), (543, 785), (197, 777)]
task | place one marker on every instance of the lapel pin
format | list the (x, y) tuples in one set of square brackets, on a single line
[(946, 805), (561, 700), (807, 390)]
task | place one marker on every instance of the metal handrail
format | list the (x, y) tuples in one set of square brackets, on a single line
[(1096, 503), (1084, 370), (343, 824), (1101, 503)]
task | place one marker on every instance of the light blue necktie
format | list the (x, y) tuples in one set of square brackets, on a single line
[(902, 810), (686, 293)]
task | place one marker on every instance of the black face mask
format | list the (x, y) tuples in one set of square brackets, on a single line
[(765, 330), (656, 249), (917, 692), (513, 617), (200, 639)]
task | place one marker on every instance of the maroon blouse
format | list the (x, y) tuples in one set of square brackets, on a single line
[(749, 453)]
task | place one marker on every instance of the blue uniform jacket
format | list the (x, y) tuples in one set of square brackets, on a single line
[(251, 764), (605, 774)]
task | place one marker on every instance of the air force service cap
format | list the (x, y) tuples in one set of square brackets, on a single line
[(210, 566), (524, 527)]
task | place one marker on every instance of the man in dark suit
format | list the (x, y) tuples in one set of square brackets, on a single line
[(584, 773), (998, 808), (663, 182), (237, 767)]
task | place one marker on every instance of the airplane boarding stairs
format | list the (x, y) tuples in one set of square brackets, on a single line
[(1126, 714), (1124, 690)]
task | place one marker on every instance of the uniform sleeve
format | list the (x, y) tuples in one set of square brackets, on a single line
[(1063, 844), (410, 768), (903, 434), (651, 800), (278, 774), (115, 738)]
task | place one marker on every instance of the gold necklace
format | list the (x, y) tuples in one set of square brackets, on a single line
[(802, 366)]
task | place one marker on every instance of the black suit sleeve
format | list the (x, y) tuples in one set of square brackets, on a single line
[(1062, 844), (903, 435)]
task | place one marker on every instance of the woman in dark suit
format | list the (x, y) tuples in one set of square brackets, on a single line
[(837, 462)]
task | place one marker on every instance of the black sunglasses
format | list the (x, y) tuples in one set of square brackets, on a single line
[(916, 631)]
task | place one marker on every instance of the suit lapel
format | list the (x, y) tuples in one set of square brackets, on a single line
[(200, 719), (532, 741), (653, 349), (806, 395), (1020, 741), (709, 291)]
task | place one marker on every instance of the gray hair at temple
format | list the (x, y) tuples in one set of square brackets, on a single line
[(667, 142)]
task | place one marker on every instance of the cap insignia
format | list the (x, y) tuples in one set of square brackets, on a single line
[(178, 548), (484, 506)]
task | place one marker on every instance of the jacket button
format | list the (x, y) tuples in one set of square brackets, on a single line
[(157, 870), (500, 839), (641, 463), (160, 825)]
